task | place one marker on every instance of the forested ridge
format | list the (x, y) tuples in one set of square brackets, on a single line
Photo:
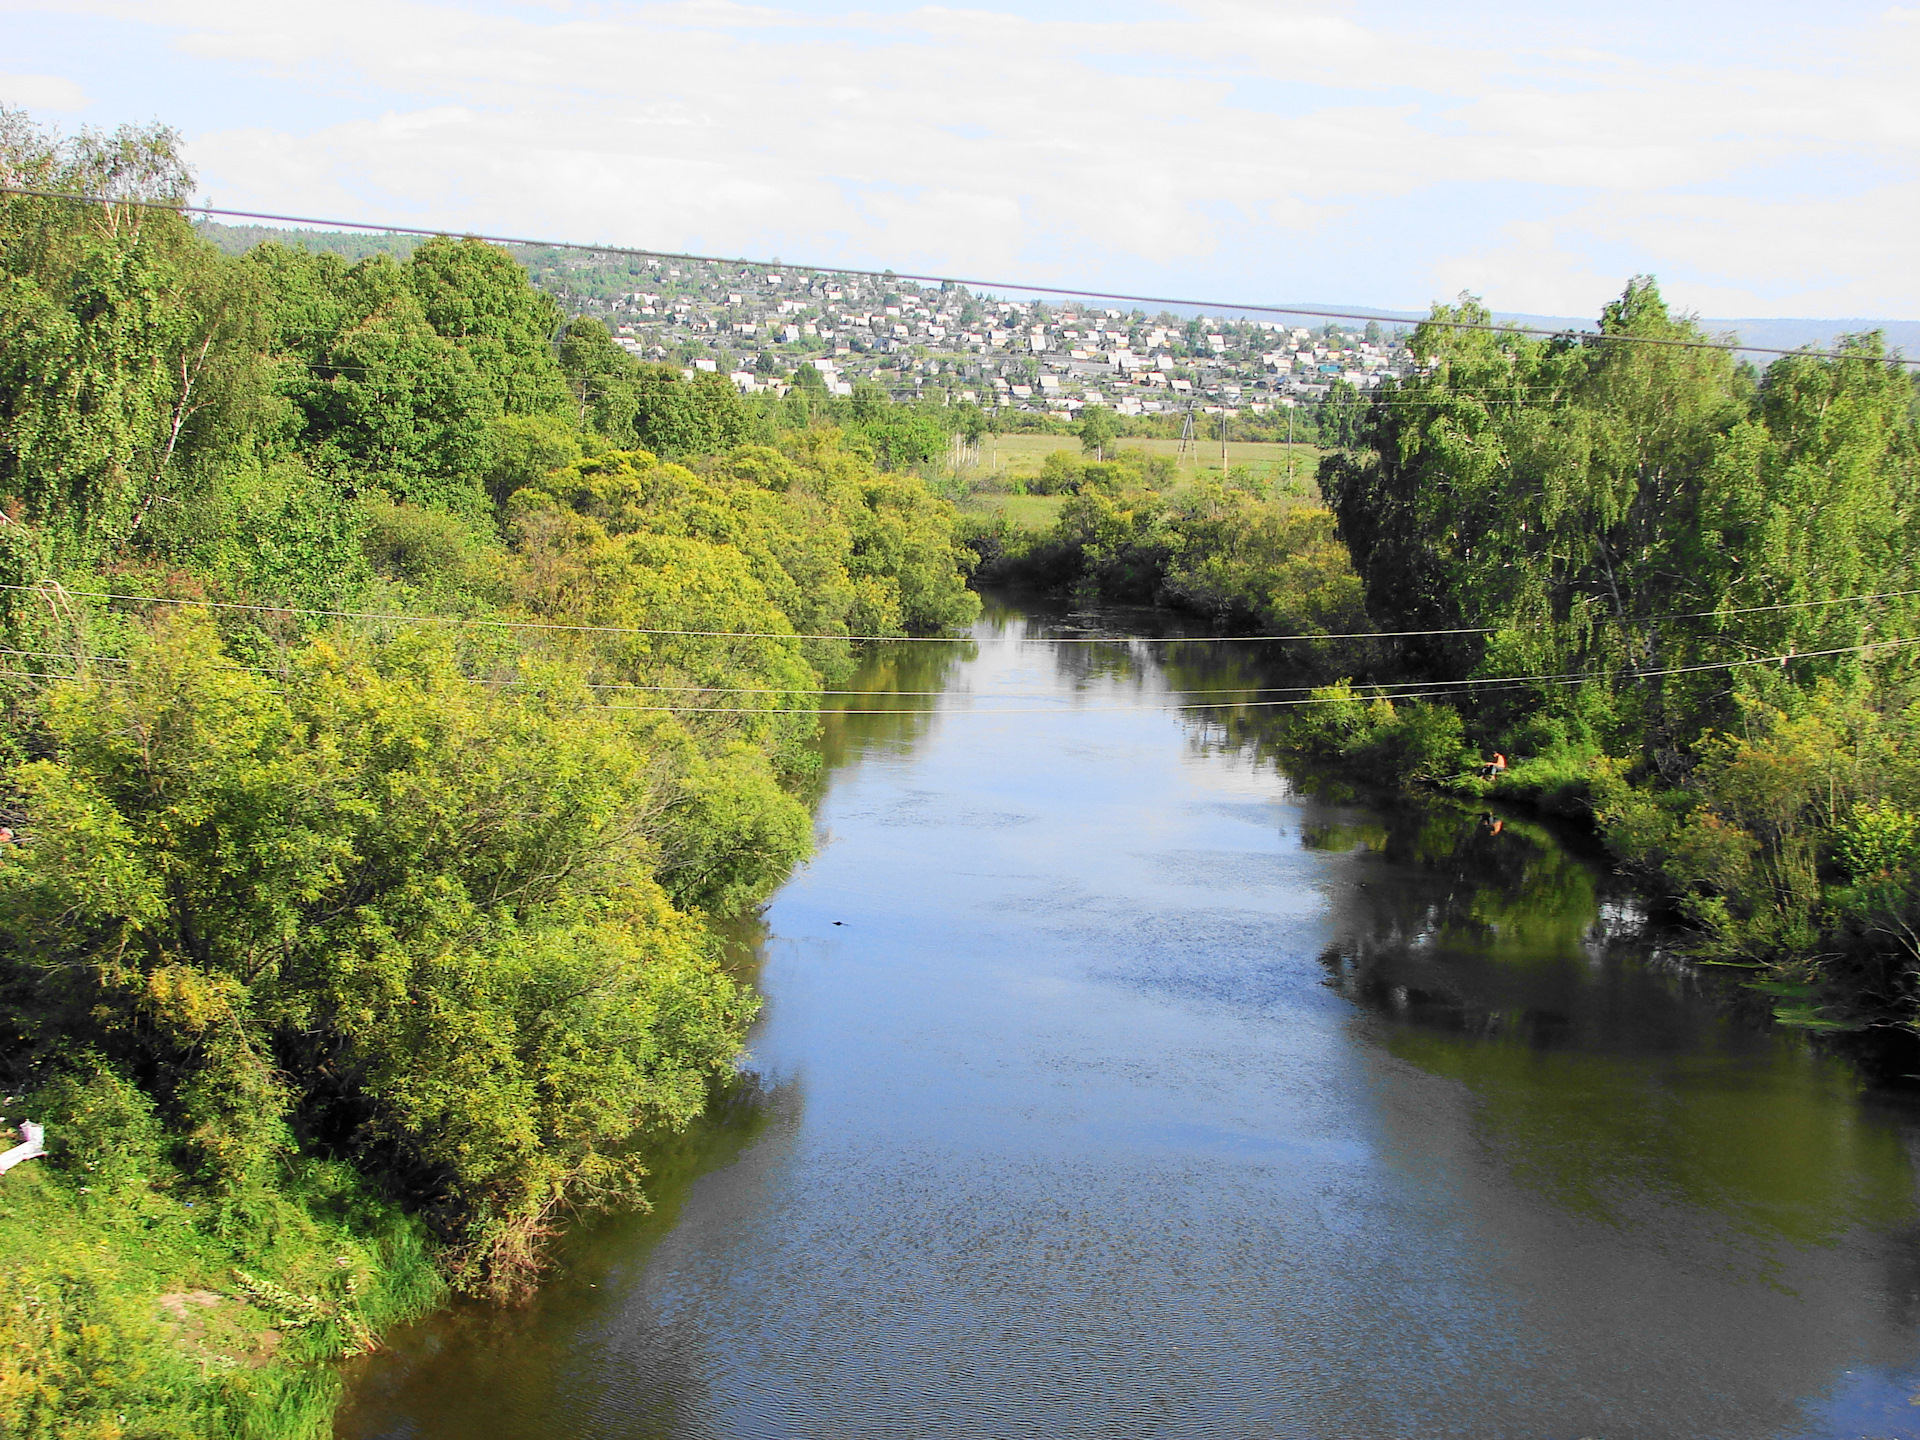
[(399, 677)]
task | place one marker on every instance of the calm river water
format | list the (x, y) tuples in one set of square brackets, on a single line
[(1109, 1085)]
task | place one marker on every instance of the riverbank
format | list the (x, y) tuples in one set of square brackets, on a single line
[(1385, 745), (132, 1304)]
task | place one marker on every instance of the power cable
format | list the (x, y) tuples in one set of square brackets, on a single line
[(1358, 697), (1361, 695), (942, 280), (546, 625)]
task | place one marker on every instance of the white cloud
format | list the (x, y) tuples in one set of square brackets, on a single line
[(1210, 148), (42, 92), (1731, 256)]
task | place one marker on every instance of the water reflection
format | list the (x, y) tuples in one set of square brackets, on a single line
[(891, 700), (1600, 1077)]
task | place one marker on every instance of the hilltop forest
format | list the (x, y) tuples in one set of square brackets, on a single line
[(399, 679)]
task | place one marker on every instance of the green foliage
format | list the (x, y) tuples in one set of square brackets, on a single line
[(1877, 838), (103, 1124), (379, 395), (1650, 520), (476, 295), (249, 892), (1241, 559), (273, 531), (444, 560), (1098, 428), (603, 379), (731, 827), (825, 545), (122, 1309), (897, 436), (1061, 473), (126, 356), (676, 417), (1404, 743), (311, 899), (526, 449), (1584, 498), (1264, 564)]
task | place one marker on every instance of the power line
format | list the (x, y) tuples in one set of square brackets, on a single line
[(1376, 689), (694, 710), (1421, 690), (1161, 300), (548, 625), (1359, 696)]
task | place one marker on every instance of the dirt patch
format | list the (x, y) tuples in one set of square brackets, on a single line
[(218, 1328), (182, 1303)]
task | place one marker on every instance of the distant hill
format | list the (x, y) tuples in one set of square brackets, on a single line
[(353, 244)]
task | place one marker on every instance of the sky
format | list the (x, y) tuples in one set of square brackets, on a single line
[(1759, 159)]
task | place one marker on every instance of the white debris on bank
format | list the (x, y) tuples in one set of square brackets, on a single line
[(28, 1148)]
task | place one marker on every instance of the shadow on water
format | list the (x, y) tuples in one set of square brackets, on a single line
[(1505, 956)]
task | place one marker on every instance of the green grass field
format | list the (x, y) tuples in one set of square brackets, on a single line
[(1005, 459), (1018, 456), (1029, 512)]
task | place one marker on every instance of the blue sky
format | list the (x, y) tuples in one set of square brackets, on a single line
[(1759, 158)]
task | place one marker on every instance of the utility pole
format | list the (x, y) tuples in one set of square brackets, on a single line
[(1223, 444), (1289, 442)]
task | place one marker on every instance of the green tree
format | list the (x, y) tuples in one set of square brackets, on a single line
[(380, 397), (1549, 490), (129, 357), (1339, 417), (602, 378), (675, 416), (1098, 428), (477, 296), (378, 901)]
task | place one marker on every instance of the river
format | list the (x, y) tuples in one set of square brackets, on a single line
[(1110, 1084)]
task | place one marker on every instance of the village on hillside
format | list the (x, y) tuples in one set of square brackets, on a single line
[(760, 324)]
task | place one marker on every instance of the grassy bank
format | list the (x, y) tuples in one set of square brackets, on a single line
[(1024, 512), (136, 1306)]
